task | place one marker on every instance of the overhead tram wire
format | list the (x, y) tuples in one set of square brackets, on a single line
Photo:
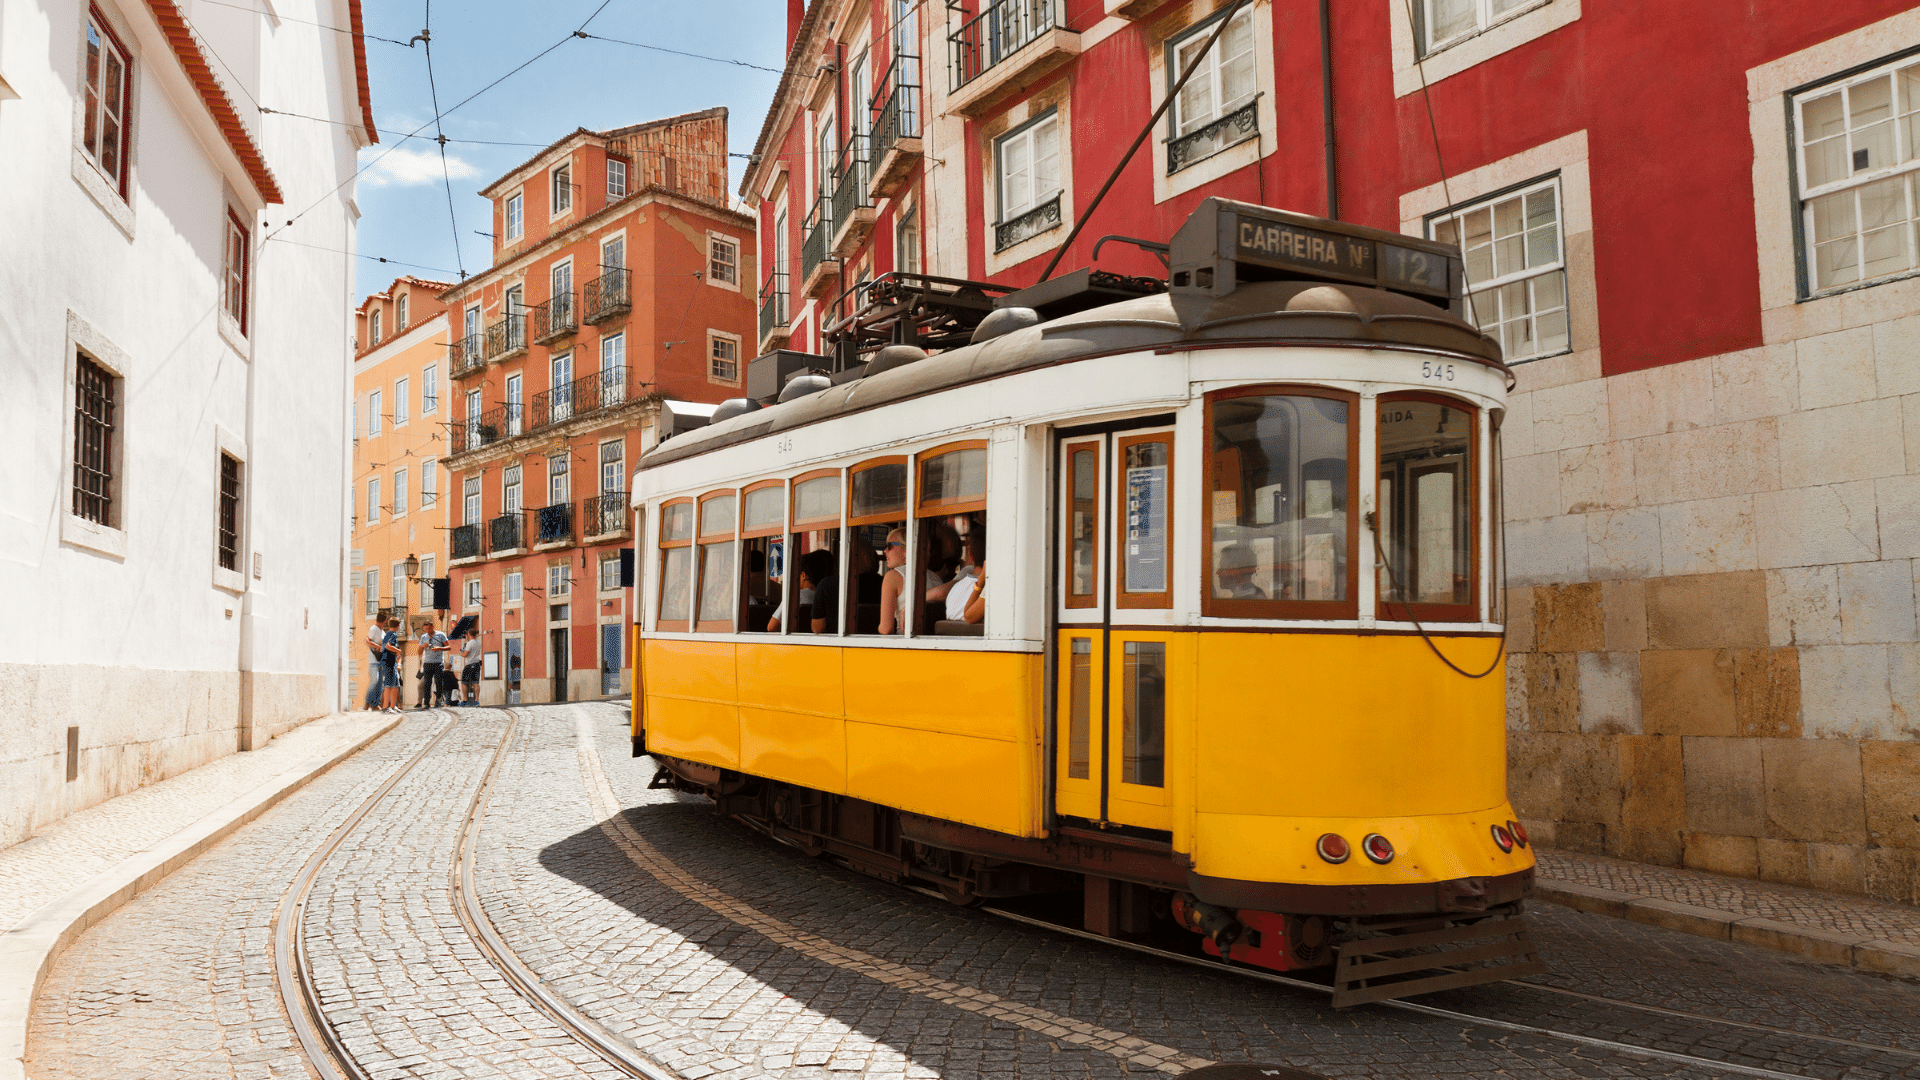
[(402, 136), (446, 175), (304, 22), (358, 255), (678, 52)]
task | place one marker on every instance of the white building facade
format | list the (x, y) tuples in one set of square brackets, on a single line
[(174, 332)]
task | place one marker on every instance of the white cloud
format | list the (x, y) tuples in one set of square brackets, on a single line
[(406, 167)]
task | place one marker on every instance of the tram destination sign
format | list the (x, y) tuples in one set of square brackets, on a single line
[(1284, 245)]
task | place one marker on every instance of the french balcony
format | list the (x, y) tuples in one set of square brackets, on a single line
[(552, 320), (584, 396), (819, 270), (1004, 48), (465, 542), (1201, 143), (489, 427), (466, 356), (507, 534), (896, 144), (774, 319), (605, 516), (608, 295), (1026, 226), (852, 210), (506, 338), (551, 526)]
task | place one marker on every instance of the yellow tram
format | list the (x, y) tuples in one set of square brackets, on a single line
[(1226, 659)]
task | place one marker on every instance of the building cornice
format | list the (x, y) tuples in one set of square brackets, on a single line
[(778, 118), (186, 50), (394, 346)]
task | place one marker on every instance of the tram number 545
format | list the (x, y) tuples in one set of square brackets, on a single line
[(1436, 372)]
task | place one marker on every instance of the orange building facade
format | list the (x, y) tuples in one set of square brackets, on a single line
[(617, 306)]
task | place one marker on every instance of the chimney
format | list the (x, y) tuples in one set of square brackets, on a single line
[(796, 11)]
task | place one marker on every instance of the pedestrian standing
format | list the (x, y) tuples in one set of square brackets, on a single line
[(433, 657), (390, 666), (376, 639), (470, 667)]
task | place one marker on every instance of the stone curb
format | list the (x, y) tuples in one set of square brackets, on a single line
[(1825, 946), (28, 950)]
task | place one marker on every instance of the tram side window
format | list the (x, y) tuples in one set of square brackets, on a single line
[(813, 556), (1082, 525), (877, 520), (763, 516), (1280, 503), (1426, 507), (951, 549), (716, 563), (676, 566)]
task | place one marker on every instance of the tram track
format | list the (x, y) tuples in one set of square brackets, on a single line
[(321, 1040)]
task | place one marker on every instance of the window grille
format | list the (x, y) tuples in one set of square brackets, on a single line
[(94, 422), (229, 512)]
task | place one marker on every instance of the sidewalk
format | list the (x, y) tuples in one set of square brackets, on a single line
[(55, 885), (1873, 935)]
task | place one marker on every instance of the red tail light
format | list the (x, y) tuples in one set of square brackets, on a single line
[(1519, 832), (1333, 848), (1378, 848), (1502, 837)]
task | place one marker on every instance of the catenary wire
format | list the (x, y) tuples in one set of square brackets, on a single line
[(446, 175), (402, 136), (341, 251), (678, 52), (303, 22)]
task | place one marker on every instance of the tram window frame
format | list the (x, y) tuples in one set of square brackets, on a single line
[(834, 526), (974, 507), (900, 517), (1122, 597), (1095, 527), (1396, 611), (777, 545), (1212, 606), (705, 541), (669, 542)]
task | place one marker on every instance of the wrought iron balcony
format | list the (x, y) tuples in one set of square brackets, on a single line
[(897, 104), (553, 319), (605, 514), (773, 304), (466, 355), (816, 250), (996, 34), (506, 533), (552, 524), (1028, 225), (464, 542), (606, 296), (850, 184), (506, 337), (489, 427), (1232, 129), (584, 396)]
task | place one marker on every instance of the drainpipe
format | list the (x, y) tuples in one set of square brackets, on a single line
[(1326, 108)]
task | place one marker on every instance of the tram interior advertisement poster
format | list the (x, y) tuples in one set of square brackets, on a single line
[(1147, 527)]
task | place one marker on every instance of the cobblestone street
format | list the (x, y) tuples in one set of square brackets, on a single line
[(716, 952)]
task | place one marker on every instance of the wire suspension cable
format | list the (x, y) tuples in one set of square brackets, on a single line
[(678, 52), (440, 133), (1372, 520)]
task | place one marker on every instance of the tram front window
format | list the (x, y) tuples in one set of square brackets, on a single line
[(1278, 500), (1426, 500)]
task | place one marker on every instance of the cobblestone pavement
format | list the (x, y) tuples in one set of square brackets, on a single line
[(722, 954), (1785, 903)]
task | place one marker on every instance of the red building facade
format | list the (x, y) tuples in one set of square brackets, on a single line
[(1695, 231), (615, 307)]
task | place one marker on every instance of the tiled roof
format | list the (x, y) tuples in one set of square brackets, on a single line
[(186, 49)]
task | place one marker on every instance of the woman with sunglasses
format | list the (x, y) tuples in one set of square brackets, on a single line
[(893, 587)]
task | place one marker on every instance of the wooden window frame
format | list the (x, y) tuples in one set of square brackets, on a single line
[(925, 509), (626, 176), (704, 540), (794, 520), (1469, 612), (237, 281), (905, 511), (121, 177), (1121, 597), (1316, 610), (664, 545), (1068, 447), (779, 528)]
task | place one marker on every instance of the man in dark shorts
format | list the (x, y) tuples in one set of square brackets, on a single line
[(470, 668)]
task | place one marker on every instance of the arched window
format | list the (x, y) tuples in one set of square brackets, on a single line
[(763, 520), (877, 542)]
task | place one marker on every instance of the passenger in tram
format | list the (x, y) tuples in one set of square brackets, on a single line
[(893, 586), (806, 589), (969, 581), (817, 575), (1234, 568)]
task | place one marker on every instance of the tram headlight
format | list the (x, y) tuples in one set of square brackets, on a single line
[(1334, 848), (1378, 848), (1519, 832), (1503, 838)]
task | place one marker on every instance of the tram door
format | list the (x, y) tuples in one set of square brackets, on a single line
[(1115, 591)]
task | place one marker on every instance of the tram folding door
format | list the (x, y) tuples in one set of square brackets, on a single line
[(1114, 717)]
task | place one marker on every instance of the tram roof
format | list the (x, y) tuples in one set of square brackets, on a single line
[(1254, 314)]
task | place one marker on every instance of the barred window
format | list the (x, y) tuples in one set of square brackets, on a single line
[(725, 363), (1516, 267), (723, 261), (1858, 143), (94, 421), (229, 512)]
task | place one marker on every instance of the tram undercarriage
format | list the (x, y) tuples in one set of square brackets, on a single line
[(1372, 942)]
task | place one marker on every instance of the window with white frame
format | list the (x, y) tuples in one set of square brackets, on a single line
[(1858, 167), (400, 313), (723, 364), (510, 489), (613, 254), (426, 582), (510, 588), (470, 501), (514, 404), (1027, 168), (373, 501), (1446, 22), (906, 242), (1515, 265), (613, 357), (401, 405), (104, 135), (613, 466), (373, 328), (610, 573), (373, 592), (473, 590), (616, 178), (1222, 82), (429, 482), (557, 485), (429, 389), (399, 493), (723, 261), (399, 590), (560, 397), (559, 580), (233, 282), (562, 189), (516, 217)]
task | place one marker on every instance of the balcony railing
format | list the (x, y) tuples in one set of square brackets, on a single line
[(606, 296), (1028, 225), (553, 319), (489, 427), (583, 396), (464, 542), (552, 524), (816, 248), (996, 34), (773, 304), (466, 356), (1232, 129), (506, 533), (897, 105), (605, 515), (850, 187), (506, 337)]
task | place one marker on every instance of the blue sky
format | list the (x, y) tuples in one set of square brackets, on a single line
[(583, 83)]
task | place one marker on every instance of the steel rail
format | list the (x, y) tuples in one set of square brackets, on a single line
[(523, 979)]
